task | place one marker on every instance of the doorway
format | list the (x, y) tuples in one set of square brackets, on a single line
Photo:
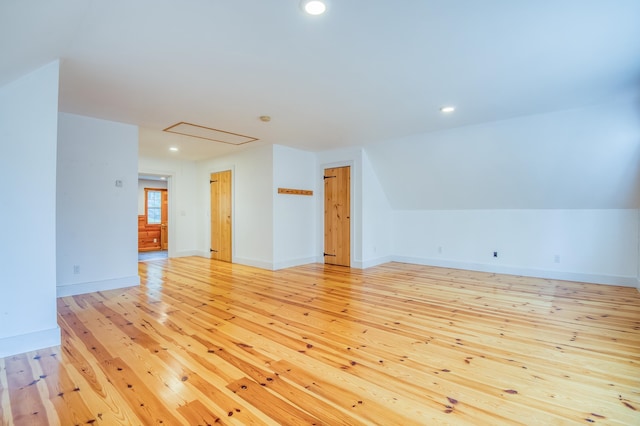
[(337, 216), (220, 184), (153, 217)]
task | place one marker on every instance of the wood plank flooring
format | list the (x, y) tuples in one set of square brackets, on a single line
[(204, 342)]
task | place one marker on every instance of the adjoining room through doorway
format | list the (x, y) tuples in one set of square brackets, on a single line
[(153, 223)]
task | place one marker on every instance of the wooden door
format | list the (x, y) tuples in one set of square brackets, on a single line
[(337, 216), (164, 225), (221, 215)]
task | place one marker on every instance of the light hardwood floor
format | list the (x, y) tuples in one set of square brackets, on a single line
[(204, 342)]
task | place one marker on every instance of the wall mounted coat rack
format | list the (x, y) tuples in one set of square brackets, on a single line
[(294, 191)]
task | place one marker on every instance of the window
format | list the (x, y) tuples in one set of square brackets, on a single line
[(154, 207)]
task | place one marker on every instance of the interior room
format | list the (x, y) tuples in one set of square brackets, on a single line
[(153, 217), (342, 212)]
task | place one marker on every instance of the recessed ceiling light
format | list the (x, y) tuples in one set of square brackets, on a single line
[(174, 149), (447, 109), (314, 7)]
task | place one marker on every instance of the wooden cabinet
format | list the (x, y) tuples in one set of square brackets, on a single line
[(149, 236)]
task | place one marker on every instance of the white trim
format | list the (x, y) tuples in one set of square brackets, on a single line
[(188, 253), (511, 270), (351, 163), (294, 262), (241, 261), (375, 262), (28, 342), (91, 287), (255, 263), (171, 201), (232, 168)]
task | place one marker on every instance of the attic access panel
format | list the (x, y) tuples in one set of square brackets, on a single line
[(208, 133)]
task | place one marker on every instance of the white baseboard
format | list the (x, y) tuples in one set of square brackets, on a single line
[(240, 261), (372, 262), (22, 343), (90, 287), (187, 253), (510, 270), (253, 262), (444, 263), (294, 262)]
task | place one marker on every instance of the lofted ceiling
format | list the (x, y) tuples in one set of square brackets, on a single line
[(364, 72)]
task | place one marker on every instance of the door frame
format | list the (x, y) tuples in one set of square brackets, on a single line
[(164, 211), (171, 214), (355, 218), (232, 168)]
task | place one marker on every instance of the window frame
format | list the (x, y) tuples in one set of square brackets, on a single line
[(146, 205)]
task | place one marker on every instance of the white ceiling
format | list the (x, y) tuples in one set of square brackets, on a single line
[(366, 71)]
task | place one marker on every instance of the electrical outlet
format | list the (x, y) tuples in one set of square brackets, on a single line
[(495, 254), (76, 269), (556, 258), (155, 240)]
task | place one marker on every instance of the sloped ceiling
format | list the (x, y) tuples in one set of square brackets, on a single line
[(365, 72), (583, 158)]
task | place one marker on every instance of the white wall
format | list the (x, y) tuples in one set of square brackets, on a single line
[(352, 157), (252, 209), (598, 246), (296, 231), (376, 218), (371, 214), (182, 188), (28, 135), (97, 224), (147, 183), (294, 216), (555, 194), (579, 159)]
